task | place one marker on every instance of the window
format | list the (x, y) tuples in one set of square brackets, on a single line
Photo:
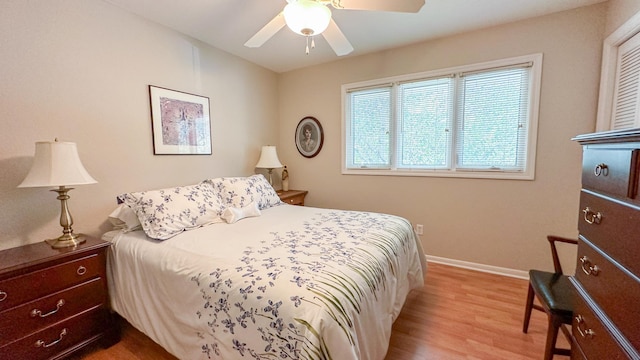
[(619, 99), (473, 121), (626, 107)]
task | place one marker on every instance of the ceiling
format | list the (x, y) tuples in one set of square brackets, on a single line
[(228, 24)]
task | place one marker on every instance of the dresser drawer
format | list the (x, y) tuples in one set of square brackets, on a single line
[(610, 170), (592, 336), (38, 314), (613, 227), (57, 338), (612, 288), (43, 282), (576, 351)]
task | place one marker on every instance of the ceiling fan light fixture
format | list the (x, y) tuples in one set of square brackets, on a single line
[(307, 17)]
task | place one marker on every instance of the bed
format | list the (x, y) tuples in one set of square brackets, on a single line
[(257, 278)]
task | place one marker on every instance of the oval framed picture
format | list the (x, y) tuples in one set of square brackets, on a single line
[(309, 137)]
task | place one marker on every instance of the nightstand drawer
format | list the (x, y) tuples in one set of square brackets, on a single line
[(57, 338), (47, 311), (296, 200), (293, 197), (43, 282)]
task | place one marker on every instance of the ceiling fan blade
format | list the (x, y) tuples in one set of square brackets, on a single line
[(267, 31), (337, 40), (409, 6)]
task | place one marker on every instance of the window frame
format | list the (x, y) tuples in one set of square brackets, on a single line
[(608, 72), (532, 131)]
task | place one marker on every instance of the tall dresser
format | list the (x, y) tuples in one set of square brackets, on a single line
[(606, 323)]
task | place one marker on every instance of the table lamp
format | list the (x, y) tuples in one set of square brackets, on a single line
[(269, 160), (58, 164)]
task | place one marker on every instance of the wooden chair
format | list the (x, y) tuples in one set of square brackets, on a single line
[(555, 294)]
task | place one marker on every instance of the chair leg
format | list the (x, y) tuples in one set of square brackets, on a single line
[(527, 310), (552, 336)]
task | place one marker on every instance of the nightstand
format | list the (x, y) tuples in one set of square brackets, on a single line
[(293, 197), (54, 302)]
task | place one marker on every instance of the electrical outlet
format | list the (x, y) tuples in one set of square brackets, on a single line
[(419, 229)]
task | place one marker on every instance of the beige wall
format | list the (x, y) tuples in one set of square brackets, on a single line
[(620, 11), (494, 222), (78, 70)]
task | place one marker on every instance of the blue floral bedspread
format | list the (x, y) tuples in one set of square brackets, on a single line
[(318, 284)]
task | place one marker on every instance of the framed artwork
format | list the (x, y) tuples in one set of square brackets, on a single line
[(309, 137), (180, 122)]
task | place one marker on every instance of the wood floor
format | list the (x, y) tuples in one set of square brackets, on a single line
[(459, 314)]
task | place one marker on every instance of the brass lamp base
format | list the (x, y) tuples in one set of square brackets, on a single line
[(66, 240), (270, 176)]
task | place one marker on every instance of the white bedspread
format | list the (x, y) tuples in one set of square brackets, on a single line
[(294, 283)]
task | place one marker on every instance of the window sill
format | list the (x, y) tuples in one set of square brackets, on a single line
[(498, 175)]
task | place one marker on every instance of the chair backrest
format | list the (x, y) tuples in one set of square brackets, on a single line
[(554, 252)]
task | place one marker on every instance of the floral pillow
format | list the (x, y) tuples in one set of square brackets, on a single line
[(238, 192), (167, 212)]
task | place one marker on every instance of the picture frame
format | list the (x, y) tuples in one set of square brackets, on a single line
[(309, 137), (180, 122)]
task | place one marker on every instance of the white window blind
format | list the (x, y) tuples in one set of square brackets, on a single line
[(369, 132), (471, 121), (626, 109), (493, 114), (425, 121)]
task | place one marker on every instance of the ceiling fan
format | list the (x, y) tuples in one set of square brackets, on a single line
[(313, 17)]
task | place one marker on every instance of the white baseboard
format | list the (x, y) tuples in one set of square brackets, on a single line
[(520, 274)]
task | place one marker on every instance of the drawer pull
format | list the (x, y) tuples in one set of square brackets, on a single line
[(601, 169), (36, 312), (81, 270), (41, 343), (588, 333), (592, 217), (587, 268), (3, 295)]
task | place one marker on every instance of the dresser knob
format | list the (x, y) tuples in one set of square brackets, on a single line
[(3, 295), (587, 268), (81, 270), (41, 343), (592, 217), (601, 169), (586, 333)]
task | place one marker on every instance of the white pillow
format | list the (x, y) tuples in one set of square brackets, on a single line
[(231, 214), (124, 218), (239, 192), (167, 212)]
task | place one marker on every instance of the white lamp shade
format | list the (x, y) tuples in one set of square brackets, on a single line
[(56, 164), (269, 158), (307, 17)]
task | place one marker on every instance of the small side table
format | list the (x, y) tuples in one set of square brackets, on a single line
[(54, 302), (293, 197)]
